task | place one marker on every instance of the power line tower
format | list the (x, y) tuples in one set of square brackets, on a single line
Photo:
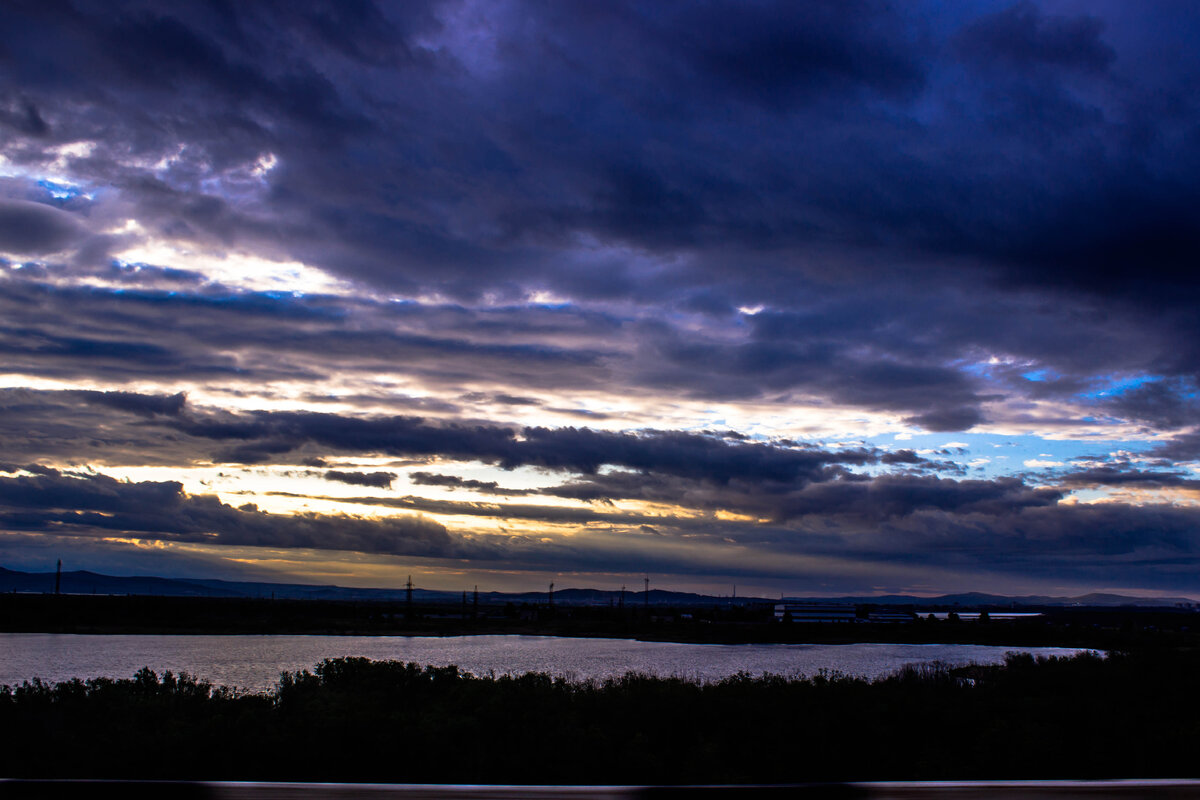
[(408, 609)]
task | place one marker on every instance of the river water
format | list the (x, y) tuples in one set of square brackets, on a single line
[(254, 662)]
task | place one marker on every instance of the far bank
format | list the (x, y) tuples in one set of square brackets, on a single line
[(1092, 628)]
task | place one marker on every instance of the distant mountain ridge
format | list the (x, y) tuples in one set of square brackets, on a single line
[(971, 599), (85, 582)]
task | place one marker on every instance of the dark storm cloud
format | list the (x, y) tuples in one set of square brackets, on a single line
[(900, 495), (59, 503), (841, 506), (1181, 448), (38, 352), (792, 353), (804, 503), (665, 127), (34, 228), (1021, 36), (684, 454), (118, 425), (380, 480), (777, 53), (124, 333), (1136, 478), (570, 449), (902, 457), (23, 117), (502, 399), (147, 404), (94, 427), (1127, 230), (1106, 544), (975, 530), (398, 402), (859, 348), (551, 515), (849, 498), (929, 164), (1164, 404), (115, 427), (455, 482)]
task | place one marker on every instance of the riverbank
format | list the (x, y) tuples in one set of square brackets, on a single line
[(1098, 628)]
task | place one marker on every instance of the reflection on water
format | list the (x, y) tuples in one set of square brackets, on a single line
[(254, 662)]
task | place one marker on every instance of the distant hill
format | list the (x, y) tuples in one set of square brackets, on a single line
[(84, 582), (979, 599)]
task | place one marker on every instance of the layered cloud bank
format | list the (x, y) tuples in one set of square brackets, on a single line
[(830, 296)]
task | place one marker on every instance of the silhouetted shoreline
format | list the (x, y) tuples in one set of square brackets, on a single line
[(1093, 628)]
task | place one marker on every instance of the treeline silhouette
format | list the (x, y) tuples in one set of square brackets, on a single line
[(351, 719)]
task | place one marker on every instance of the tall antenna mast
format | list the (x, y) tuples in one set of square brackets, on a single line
[(408, 611)]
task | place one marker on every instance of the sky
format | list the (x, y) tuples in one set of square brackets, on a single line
[(799, 298)]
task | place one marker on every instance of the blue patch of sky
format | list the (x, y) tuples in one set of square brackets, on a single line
[(63, 191), (1116, 387), (1005, 455)]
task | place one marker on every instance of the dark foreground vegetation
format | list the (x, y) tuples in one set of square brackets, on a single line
[(1128, 715)]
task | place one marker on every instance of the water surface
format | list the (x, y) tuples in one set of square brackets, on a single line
[(255, 662)]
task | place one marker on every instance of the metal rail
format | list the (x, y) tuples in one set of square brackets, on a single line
[(893, 790)]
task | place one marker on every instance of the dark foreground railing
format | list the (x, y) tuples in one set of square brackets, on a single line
[(906, 790)]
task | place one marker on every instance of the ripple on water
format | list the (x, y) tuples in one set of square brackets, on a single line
[(255, 662)]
